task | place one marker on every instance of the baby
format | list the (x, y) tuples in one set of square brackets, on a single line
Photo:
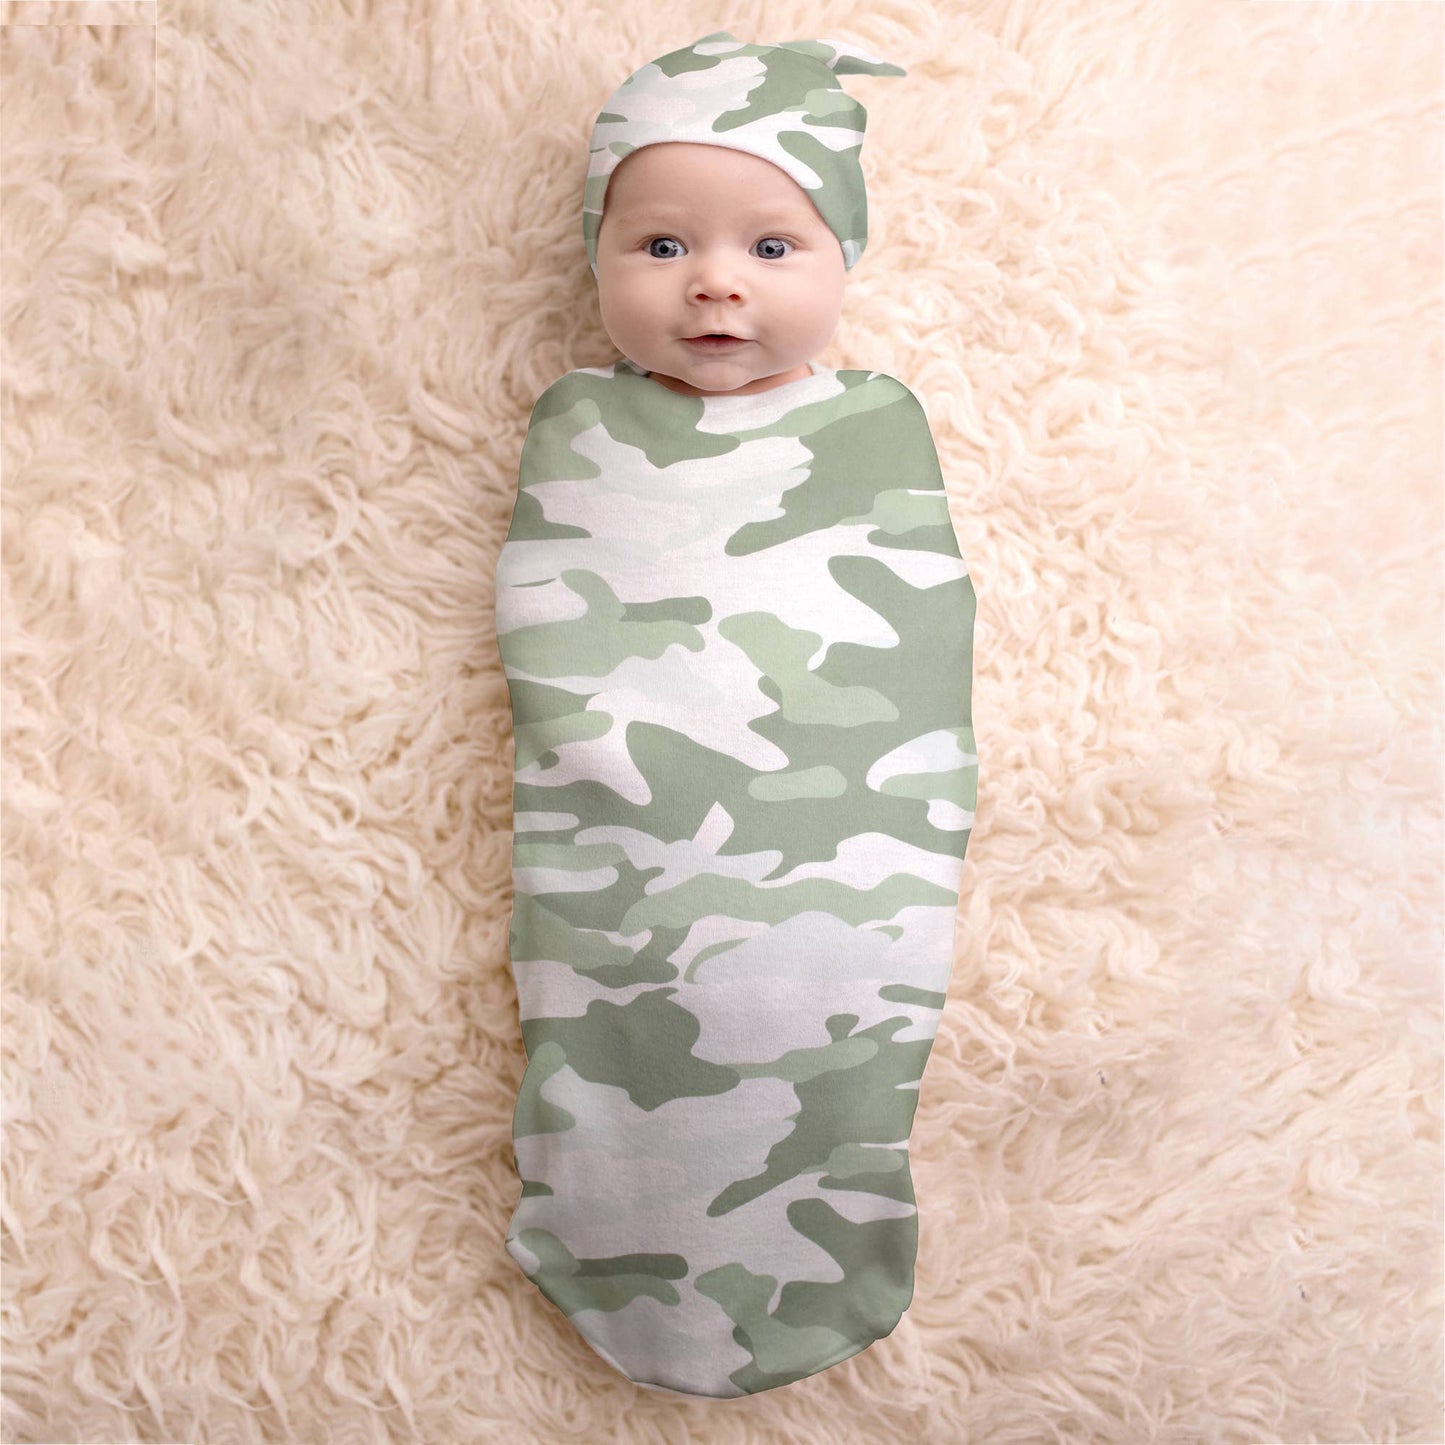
[(737, 634)]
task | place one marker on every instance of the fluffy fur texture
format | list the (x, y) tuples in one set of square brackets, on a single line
[(278, 295)]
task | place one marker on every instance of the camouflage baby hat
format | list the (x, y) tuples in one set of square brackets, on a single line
[(780, 102)]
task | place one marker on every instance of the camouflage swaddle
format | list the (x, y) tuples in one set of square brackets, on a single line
[(737, 635)]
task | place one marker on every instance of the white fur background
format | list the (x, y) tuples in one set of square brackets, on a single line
[(280, 284)]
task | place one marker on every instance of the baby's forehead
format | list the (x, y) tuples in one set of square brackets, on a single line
[(676, 176)]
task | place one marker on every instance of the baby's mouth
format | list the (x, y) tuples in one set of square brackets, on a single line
[(715, 340)]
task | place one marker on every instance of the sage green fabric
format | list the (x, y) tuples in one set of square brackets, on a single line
[(780, 102), (737, 636)]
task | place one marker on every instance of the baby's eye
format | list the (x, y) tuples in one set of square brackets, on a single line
[(773, 241), (769, 241)]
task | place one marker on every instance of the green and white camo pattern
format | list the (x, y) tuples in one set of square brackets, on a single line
[(779, 102), (738, 639)]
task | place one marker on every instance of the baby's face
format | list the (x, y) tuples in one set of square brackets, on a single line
[(697, 238)]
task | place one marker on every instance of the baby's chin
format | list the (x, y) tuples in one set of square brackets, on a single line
[(728, 376)]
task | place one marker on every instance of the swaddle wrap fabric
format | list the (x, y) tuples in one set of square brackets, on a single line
[(737, 636)]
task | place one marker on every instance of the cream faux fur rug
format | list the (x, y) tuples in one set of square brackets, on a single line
[(278, 294)]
